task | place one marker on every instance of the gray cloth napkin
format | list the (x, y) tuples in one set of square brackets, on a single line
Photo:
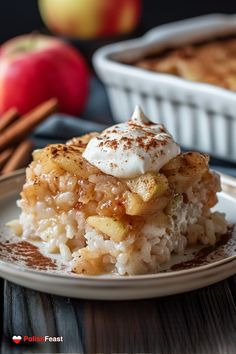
[(60, 128)]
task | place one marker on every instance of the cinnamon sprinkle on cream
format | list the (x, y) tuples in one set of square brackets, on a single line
[(129, 149)]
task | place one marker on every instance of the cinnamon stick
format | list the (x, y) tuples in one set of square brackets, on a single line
[(18, 130), (4, 156), (8, 118), (19, 158)]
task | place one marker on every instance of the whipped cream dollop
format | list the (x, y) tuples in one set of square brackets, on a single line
[(132, 148)]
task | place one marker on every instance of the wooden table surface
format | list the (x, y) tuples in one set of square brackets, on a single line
[(198, 322)]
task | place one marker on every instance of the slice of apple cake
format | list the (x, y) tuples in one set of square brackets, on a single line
[(121, 201)]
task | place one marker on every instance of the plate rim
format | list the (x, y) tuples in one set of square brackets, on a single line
[(119, 278), (228, 180)]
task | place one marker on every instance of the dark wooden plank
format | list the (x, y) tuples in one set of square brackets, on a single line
[(27, 312), (232, 285), (69, 317), (121, 327), (202, 321)]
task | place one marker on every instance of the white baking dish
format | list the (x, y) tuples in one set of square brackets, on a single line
[(200, 116)]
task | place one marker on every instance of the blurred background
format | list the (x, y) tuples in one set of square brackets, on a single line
[(17, 17)]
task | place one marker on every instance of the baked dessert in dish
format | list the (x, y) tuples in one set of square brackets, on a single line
[(213, 62), (121, 201)]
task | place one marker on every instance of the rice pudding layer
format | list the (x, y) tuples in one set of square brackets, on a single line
[(101, 222)]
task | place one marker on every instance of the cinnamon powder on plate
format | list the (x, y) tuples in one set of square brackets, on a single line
[(26, 253)]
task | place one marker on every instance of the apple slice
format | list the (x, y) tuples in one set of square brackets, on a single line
[(134, 205), (48, 165), (115, 229), (65, 157), (83, 140), (37, 154), (149, 185)]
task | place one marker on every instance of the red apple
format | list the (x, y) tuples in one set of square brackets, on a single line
[(34, 68), (90, 18)]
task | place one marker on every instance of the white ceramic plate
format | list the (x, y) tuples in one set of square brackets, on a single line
[(205, 268)]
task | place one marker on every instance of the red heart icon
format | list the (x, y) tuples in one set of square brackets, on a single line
[(17, 339)]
